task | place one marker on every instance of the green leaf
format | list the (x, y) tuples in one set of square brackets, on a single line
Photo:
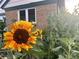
[(9, 54), (61, 57), (57, 48)]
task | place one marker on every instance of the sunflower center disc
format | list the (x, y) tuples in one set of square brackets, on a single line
[(21, 36)]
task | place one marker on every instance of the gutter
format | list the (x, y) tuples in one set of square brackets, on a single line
[(2, 3)]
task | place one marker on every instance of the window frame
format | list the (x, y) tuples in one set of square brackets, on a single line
[(26, 15)]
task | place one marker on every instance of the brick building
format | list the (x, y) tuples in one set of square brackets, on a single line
[(35, 11)]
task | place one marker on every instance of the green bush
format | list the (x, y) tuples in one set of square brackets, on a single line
[(62, 36), (2, 25)]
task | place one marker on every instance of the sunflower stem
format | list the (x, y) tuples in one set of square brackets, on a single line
[(24, 55)]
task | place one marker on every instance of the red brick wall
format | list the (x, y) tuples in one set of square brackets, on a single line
[(42, 13), (11, 16)]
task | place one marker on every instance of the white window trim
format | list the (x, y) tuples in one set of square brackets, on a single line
[(18, 16), (26, 12)]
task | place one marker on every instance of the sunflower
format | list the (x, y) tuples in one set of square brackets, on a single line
[(20, 36)]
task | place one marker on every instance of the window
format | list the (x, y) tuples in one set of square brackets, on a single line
[(22, 15), (31, 15), (27, 14)]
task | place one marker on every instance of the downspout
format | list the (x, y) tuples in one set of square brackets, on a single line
[(57, 6), (60, 5)]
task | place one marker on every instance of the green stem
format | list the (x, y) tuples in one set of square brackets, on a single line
[(69, 52), (50, 46)]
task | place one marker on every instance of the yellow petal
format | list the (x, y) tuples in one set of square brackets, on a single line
[(25, 46), (8, 38), (8, 34), (41, 36), (33, 37), (35, 33), (33, 42), (11, 45), (30, 46), (19, 49), (6, 46)]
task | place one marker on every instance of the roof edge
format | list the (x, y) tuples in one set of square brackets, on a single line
[(31, 5)]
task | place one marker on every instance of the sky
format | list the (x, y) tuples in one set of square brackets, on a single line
[(1, 11), (70, 5)]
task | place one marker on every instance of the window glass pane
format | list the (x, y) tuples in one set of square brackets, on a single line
[(22, 15), (31, 15)]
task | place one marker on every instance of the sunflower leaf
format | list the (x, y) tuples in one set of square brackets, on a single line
[(37, 52), (9, 55)]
